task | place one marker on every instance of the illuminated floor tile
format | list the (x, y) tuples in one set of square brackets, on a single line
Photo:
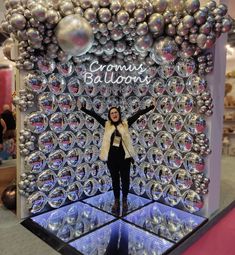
[(72, 221), (123, 239), (105, 202), (165, 221)]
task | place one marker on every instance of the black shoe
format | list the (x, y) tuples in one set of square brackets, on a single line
[(116, 207), (124, 206)]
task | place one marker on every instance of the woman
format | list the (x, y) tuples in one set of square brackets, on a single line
[(3, 129), (117, 150)]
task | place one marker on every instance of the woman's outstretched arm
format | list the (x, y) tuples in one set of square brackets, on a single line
[(94, 115), (135, 117)]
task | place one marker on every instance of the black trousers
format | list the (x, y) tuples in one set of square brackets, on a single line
[(120, 169)]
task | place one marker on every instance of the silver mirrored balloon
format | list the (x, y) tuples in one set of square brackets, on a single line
[(185, 67), (91, 187), (163, 174), (182, 179), (133, 104), (37, 122), (84, 138), (47, 142), (74, 35), (194, 123), (173, 123), (56, 160), (165, 104), (165, 71), (46, 180), (153, 190), (35, 162), (74, 191), (75, 86), (56, 84), (66, 140), (47, 103), (97, 136), (192, 202), (104, 183), (99, 104), (65, 69), (74, 157), (183, 142), (91, 123), (138, 186), (57, 197), (58, 122), (146, 138), (173, 159), (98, 169), (140, 153), (155, 122), (80, 69), (196, 85), (91, 89), (175, 86), (171, 195), (91, 154), (36, 202), (141, 89), (164, 140), (82, 172), (65, 176), (76, 121), (157, 87), (46, 65), (184, 104), (155, 156), (126, 90), (164, 50), (194, 163), (141, 123), (66, 103), (146, 171), (36, 82), (106, 91)]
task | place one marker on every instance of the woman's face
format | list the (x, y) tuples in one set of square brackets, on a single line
[(114, 115)]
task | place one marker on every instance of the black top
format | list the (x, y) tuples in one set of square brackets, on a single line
[(9, 119), (116, 153)]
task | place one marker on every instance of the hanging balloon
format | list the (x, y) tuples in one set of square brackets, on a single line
[(191, 6), (74, 35), (144, 43)]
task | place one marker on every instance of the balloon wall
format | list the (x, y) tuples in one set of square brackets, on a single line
[(106, 53)]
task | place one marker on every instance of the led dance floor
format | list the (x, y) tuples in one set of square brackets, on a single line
[(88, 227)]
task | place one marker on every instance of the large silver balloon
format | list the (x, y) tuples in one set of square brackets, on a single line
[(156, 23), (144, 43), (159, 5), (74, 35), (18, 21), (164, 50)]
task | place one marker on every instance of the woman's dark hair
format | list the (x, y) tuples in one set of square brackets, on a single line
[(119, 111)]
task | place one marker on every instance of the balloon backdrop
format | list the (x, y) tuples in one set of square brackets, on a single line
[(104, 53)]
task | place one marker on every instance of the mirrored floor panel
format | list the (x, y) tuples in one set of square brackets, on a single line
[(165, 221), (105, 202), (121, 238)]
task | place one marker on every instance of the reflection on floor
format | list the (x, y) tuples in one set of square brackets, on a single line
[(88, 227), (121, 238), (105, 201)]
